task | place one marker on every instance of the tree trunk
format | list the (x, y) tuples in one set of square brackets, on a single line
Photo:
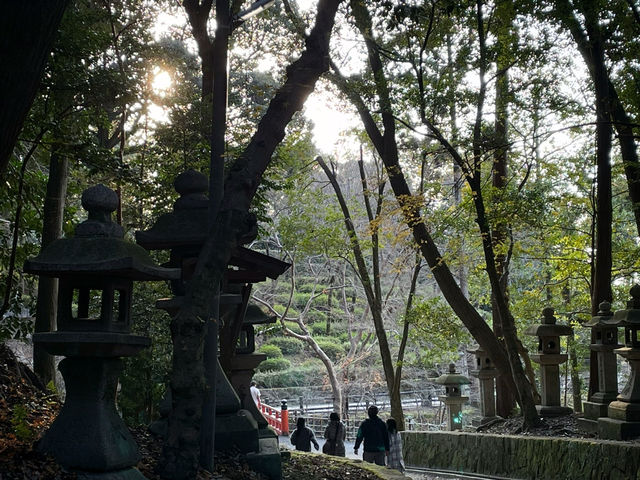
[(182, 447), (53, 216), (28, 32)]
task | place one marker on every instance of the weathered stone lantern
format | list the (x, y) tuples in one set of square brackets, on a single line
[(184, 232), (453, 398), (604, 332), (624, 412), (486, 373), (550, 358), (96, 268)]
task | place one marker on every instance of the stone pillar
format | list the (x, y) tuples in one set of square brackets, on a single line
[(605, 335), (453, 398), (624, 413), (486, 373), (550, 358)]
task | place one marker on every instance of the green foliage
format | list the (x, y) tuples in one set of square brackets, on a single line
[(288, 345), (19, 421), (437, 332), (319, 328), (301, 376), (271, 351), (315, 316), (145, 376), (331, 346), (274, 365)]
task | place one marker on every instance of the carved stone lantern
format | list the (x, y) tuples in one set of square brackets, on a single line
[(453, 398), (624, 412), (486, 373), (550, 358), (96, 268), (184, 232), (604, 332)]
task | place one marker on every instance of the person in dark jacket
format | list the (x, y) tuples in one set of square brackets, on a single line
[(302, 437), (335, 435), (376, 438)]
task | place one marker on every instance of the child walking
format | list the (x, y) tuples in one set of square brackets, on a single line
[(394, 460)]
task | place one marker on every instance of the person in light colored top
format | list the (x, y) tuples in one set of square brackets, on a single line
[(255, 393), (394, 459)]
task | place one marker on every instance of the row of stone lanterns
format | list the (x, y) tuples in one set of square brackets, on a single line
[(96, 269)]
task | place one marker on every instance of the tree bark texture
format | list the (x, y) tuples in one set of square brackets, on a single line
[(181, 449), (28, 32), (53, 216)]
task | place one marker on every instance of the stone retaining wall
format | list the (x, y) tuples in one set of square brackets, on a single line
[(523, 458)]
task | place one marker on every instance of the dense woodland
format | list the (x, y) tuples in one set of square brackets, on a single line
[(491, 170)]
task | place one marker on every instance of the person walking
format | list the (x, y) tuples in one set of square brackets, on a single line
[(376, 438), (302, 437), (335, 435), (394, 459), (255, 394)]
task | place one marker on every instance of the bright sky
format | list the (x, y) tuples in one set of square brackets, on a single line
[(329, 122)]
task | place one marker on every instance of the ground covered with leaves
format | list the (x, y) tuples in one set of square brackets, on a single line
[(27, 409)]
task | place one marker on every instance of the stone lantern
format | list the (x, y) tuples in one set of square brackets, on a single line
[(486, 373), (624, 412), (183, 232), (453, 398), (96, 269), (550, 358), (604, 332)]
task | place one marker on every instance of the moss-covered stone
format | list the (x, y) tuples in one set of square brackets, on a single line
[(523, 457)]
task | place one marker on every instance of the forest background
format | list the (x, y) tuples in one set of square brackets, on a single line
[(490, 171)]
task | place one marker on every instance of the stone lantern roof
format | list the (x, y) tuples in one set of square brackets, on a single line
[(548, 327), (452, 378), (98, 247), (255, 316), (630, 317), (604, 318)]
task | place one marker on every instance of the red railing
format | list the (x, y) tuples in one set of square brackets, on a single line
[(278, 418)]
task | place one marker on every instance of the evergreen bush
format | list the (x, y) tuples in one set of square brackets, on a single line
[(288, 345), (271, 351), (274, 365)]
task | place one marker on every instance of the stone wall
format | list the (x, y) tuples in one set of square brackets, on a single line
[(523, 457)]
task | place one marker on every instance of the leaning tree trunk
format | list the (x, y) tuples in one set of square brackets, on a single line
[(188, 328), (53, 215), (28, 32)]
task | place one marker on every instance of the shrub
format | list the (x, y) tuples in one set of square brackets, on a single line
[(293, 326), (301, 376), (274, 365), (331, 346), (271, 351), (319, 328), (316, 316), (288, 345)]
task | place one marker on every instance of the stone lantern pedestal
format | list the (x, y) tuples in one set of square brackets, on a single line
[(605, 341), (453, 398), (550, 358), (624, 412), (486, 373), (96, 269)]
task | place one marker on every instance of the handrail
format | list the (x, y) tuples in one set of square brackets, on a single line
[(278, 418)]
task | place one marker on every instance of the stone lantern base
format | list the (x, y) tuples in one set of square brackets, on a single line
[(623, 422), (553, 410), (88, 436)]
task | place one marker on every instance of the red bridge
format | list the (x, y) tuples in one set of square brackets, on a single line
[(278, 418)]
